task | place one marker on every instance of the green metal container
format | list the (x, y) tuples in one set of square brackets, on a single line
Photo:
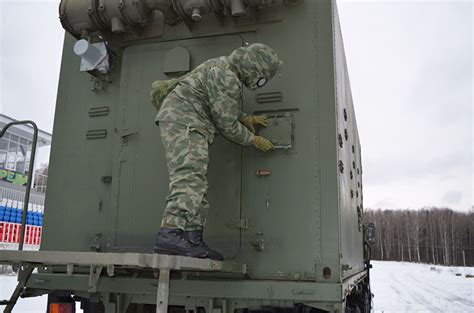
[(293, 215)]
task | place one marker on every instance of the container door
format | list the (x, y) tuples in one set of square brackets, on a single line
[(142, 186)]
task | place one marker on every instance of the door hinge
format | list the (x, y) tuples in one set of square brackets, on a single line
[(242, 223)]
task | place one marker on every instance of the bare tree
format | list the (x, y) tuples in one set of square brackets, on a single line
[(431, 235)]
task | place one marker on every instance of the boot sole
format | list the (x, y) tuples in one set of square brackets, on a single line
[(172, 252), (169, 252)]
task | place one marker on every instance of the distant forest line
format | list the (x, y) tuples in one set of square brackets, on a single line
[(430, 235)]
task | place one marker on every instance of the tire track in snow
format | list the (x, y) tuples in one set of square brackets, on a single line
[(414, 287), (413, 293), (443, 292)]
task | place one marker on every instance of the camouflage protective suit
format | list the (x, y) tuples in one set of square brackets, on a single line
[(204, 103)]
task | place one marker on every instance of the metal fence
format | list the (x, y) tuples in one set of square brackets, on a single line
[(18, 195)]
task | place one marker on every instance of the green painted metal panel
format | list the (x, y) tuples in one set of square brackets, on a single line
[(349, 153), (283, 208), (297, 291), (78, 196), (143, 176)]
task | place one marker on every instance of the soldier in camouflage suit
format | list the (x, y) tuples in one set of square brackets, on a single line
[(204, 103)]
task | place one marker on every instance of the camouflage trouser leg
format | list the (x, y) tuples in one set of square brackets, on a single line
[(187, 158)]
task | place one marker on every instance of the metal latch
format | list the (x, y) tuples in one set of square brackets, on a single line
[(258, 242), (96, 243), (125, 133), (242, 223)]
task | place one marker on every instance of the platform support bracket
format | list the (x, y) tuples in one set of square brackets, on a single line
[(24, 274), (163, 291)]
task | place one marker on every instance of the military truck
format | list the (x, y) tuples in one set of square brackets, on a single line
[(289, 221)]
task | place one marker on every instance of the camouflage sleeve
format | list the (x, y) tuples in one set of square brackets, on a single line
[(224, 92), (242, 114)]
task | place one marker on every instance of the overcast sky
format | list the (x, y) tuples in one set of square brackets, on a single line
[(410, 64)]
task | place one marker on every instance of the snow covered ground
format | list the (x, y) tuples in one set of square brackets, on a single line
[(30, 305), (398, 287), (411, 287)]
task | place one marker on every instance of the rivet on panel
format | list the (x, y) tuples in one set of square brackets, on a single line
[(341, 167)]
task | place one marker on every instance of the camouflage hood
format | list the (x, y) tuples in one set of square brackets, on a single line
[(255, 64)]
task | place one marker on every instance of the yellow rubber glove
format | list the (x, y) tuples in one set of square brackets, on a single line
[(249, 121), (263, 144)]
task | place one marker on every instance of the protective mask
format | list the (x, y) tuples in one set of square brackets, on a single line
[(256, 83)]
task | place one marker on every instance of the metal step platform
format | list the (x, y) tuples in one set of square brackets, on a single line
[(97, 261)]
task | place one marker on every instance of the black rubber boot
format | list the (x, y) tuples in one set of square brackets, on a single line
[(195, 236), (172, 241)]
